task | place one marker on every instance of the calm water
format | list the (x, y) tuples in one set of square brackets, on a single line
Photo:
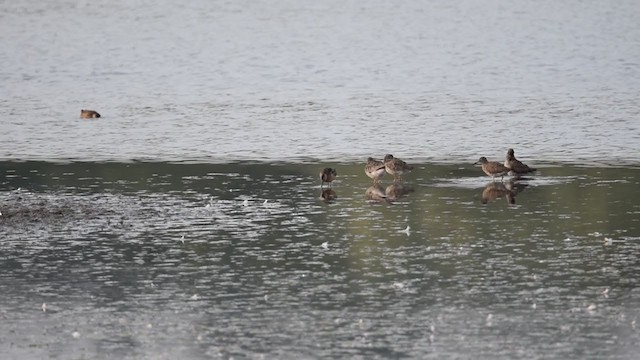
[(188, 221)]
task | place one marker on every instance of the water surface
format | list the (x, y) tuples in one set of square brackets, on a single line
[(139, 260), (216, 81), (188, 221)]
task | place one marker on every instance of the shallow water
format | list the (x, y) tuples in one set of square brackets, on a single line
[(158, 260)]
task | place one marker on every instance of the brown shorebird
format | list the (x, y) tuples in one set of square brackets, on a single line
[(396, 167), (492, 168), (88, 114), (515, 166), (374, 169), (327, 175)]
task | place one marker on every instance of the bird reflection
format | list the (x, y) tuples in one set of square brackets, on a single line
[(328, 195), (515, 187), (397, 190), (375, 193), (496, 190)]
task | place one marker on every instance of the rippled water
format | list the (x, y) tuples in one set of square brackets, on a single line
[(154, 260), (189, 222), (331, 80)]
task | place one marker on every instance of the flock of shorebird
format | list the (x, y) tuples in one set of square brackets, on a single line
[(376, 169), (511, 166)]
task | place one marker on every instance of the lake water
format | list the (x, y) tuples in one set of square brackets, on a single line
[(157, 260), (189, 220), (331, 80)]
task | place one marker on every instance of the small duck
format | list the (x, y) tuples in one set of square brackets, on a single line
[(396, 167), (514, 165), (374, 169), (327, 175), (492, 168), (88, 114)]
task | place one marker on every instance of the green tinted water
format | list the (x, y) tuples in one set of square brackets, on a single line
[(248, 260)]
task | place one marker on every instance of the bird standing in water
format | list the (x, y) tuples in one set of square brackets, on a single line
[(374, 169), (396, 167), (492, 168), (515, 166), (327, 175)]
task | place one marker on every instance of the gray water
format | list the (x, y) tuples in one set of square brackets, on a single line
[(189, 222), (331, 80)]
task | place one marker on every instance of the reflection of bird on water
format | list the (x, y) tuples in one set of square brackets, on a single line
[(327, 175), (396, 190), (328, 195), (515, 187), (515, 166), (396, 167), (495, 190), (492, 168), (376, 193), (374, 169)]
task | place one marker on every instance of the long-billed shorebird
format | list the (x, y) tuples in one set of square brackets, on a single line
[(374, 169), (327, 175), (515, 166), (396, 167), (492, 168)]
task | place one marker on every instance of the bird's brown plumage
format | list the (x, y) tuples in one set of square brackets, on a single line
[(396, 167), (374, 169), (515, 165), (492, 168), (88, 114), (327, 175)]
